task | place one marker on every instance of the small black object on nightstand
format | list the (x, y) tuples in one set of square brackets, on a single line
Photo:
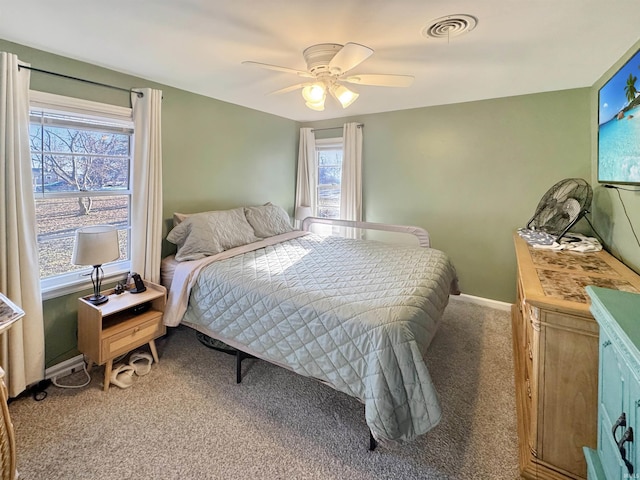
[(139, 284), (143, 307)]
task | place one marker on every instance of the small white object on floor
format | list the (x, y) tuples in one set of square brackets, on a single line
[(122, 376), (141, 362)]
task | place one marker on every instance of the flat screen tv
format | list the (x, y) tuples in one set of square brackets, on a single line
[(619, 126)]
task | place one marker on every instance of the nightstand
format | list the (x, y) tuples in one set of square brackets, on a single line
[(124, 323)]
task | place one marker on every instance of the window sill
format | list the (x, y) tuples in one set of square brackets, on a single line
[(54, 288)]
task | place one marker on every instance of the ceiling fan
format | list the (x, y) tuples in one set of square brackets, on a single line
[(327, 67)]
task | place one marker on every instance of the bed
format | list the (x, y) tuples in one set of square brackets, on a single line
[(355, 314)]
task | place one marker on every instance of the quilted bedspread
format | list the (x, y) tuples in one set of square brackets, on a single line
[(357, 315)]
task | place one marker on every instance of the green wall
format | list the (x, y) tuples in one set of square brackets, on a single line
[(472, 173), (610, 220), (215, 155)]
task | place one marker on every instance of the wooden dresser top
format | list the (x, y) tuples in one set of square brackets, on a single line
[(557, 279)]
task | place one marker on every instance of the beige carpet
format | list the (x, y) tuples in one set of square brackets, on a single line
[(188, 419)]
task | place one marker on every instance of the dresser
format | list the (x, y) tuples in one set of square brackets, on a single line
[(617, 455), (555, 346)]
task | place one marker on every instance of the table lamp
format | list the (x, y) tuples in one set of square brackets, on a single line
[(96, 245)]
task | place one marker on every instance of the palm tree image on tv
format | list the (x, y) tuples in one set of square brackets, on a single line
[(619, 126), (630, 89)]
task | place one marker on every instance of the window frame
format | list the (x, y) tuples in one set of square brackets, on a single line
[(78, 280)]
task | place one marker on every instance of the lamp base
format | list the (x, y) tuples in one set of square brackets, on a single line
[(98, 300)]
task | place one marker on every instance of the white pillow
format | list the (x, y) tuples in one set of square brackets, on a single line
[(268, 220), (208, 233)]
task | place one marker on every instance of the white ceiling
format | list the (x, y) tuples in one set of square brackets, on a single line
[(518, 46)]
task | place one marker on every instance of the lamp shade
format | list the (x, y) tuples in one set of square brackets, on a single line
[(302, 212), (95, 245)]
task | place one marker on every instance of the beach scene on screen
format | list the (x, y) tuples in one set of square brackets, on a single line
[(619, 126)]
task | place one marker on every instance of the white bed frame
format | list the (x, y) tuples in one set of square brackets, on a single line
[(421, 234)]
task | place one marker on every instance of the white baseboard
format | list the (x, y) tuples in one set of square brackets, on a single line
[(65, 368), (485, 302)]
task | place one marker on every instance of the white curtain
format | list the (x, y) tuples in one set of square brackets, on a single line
[(22, 347), (307, 179), (146, 214), (351, 183)]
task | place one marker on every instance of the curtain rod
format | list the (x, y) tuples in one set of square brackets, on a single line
[(129, 90), (360, 125)]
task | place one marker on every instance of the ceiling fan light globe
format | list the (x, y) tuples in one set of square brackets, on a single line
[(314, 93), (345, 96), (317, 106)]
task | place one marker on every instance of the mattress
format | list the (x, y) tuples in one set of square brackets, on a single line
[(355, 314)]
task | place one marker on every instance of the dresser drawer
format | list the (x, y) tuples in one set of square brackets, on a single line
[(136, 334)]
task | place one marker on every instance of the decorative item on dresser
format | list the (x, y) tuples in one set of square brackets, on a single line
[(127, 321), (618, 454), (555, 346)]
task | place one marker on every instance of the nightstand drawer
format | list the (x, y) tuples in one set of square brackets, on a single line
[(138, 333)]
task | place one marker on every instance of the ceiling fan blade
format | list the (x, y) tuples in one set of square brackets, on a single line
[(349, 56), (380, 80), (277, 68), (288, 89)]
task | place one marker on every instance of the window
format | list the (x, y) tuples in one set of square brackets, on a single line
[(81, 160), (329, 160)]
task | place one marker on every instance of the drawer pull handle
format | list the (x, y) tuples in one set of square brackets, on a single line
[(627, 436), (621, 422), (606, 343)]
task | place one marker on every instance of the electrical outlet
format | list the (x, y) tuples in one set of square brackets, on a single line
[(65, 368)]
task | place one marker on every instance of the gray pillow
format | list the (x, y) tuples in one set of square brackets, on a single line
[(268, 220), (180, 217), (209, 233)]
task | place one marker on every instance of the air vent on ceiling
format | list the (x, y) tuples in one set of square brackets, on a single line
[(450, 26)]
